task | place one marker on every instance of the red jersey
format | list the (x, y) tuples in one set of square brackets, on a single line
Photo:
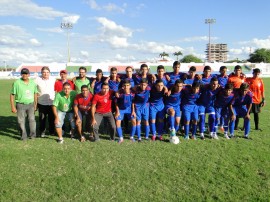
[(256, 86), (84, 104), (103, 102), (236, 80), (58, 85)]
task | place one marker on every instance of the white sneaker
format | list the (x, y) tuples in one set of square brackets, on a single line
[(60, 141), (215, 136), (226, 136)]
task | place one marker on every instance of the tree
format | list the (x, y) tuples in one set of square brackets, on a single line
[(260, 55), (164, 54), (191, 58), (177, 54)]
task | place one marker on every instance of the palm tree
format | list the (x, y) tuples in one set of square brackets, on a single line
[(177, 54), (164, 54)]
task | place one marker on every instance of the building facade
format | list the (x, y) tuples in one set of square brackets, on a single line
[(217, 52)]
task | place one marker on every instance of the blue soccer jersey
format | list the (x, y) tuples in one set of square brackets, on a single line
[(138, 78), (124, 77), (240, 101), (124, 103), (173, 78), (208, 96), (141, 103), (156, 104), (206, 80), (222, 100), (114, 85), (97, 87), (189, 98), (222, 80), (164, 79)]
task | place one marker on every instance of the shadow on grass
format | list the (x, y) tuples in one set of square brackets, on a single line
[(9, 127)]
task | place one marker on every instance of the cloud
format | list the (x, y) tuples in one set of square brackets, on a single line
[(53, 29), (110, 7), (140, 6), (29, 9), (197, 38), (258, 43), (28, 55), (109, 27), (34, 42), (84, 53), (71, 19)]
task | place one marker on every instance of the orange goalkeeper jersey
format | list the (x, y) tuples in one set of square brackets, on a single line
[(236, 80), (256, 86)]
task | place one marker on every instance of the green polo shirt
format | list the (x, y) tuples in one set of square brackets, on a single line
[(79, 83), (24, 93), (62, 103)]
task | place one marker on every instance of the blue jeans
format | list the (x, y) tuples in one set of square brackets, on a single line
[(28, 110), (62, 115)]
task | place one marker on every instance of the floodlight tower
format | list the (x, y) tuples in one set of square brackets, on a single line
[(67, 26), (209, 21)]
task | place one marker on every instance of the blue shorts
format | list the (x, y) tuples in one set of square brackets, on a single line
[(240, 112), (176, 109), (123, 113), (62, 115), (190, 112), (206, 110), (222, 112), (142, 113), (156, 112)]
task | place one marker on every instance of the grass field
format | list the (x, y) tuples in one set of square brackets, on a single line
[(210, 170)]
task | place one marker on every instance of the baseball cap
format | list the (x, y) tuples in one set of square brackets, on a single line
[(25, 71), (63, 71)]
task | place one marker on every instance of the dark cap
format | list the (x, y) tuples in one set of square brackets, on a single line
[(25, 71), (63, 71)]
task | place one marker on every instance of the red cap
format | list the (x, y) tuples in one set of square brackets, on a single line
[(63, 71)]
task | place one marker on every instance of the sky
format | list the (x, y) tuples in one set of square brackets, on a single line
[(128, 31)]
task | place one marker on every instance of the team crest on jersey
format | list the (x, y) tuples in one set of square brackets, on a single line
[(105, 100)]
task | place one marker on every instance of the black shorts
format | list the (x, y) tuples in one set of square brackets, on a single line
[(256, 108)]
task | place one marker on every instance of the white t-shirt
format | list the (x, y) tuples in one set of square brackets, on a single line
[(45, 90)]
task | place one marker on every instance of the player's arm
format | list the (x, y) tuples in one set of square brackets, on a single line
[(35, 101), (12, 105), (76, 114), (117, 111), (93, 111), (233, 117), (133, 113), (56, 120)]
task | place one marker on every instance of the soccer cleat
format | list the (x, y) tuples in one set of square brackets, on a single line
[(154, 138), (202, 137), (83, 139), (215, 136), (246, 137), (160, 138), (121, 140), (172, 133), (193, 137), (186, 137), (139, 140), (226, 136), (132, 139), (60, 141)]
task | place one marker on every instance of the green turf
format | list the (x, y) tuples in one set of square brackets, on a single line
[(210, 170)]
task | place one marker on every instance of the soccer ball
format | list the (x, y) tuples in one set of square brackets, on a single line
[(174, 140)]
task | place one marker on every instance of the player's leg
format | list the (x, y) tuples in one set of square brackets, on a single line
[(98, 118), (31, 119), (201, 111), (145, 116), (195, 118), (58, 126), (21, 115), (187, 114), (71, 121), (152, 115), (111, 121)]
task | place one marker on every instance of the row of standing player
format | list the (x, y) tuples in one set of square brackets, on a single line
[(114, 81)]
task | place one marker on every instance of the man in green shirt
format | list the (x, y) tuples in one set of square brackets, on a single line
[(24, 94), (82, 80), (62, 107)]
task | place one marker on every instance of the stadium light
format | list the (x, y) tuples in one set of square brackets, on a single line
[(67, 26), (209, 21)]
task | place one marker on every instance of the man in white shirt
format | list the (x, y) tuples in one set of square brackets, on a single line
[(45, 85)]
